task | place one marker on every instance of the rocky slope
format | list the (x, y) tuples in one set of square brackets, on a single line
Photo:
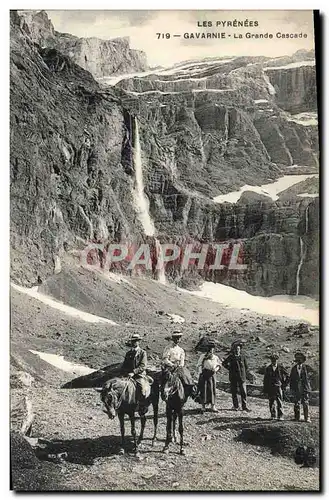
[(70, 429), (205, 128), (99, 57)]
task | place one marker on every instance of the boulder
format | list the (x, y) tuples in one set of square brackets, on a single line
[(22, 415)]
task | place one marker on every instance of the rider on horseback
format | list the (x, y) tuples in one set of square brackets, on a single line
[(134, 366), (174, 360)]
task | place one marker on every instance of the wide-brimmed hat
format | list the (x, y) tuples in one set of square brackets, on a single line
[(210, 344), (135, 336), (236, 343), (176, 334), (274, 355), (300, 355)]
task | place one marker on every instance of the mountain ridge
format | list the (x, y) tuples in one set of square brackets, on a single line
[(72, 157)]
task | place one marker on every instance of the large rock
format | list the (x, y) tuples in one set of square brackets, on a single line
[(99, 57), (21, 412)]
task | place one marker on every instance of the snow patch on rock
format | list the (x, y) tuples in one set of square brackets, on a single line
[(297, 64), (307, 119), (301, 308), (70, 311), (175, 318), (60, 363), (271, 190)]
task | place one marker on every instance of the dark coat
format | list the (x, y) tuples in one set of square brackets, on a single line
[(237, 367), (299, 382), (275, 379), (134, 362)]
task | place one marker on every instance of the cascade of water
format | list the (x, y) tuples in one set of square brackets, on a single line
[(302, 251), (88, 221), (226, 122), (140, 199), (142, 203), (160, 263), (302, 255), (306, 219)]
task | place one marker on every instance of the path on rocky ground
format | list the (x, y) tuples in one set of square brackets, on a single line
[(72, 423)]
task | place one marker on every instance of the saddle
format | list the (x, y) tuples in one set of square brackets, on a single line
[(136, 387)]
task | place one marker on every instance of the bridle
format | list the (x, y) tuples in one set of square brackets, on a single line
[(173, 380), (117, 401)]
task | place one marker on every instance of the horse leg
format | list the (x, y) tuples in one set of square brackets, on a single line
[(155, 421), (143, 422), (133, 430), (122, 429), (181, 430), (169, 428), (174, 426)]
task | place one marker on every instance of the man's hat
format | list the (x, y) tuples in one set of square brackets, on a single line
[(135, 336), (176, 334), (274, 355), (211, 343), (300, 355), (236, 343)]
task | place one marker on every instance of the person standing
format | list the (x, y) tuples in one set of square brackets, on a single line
[(174, 359), (134, 366), (208, 365), (236, 364), (275, 382), (300, 386)]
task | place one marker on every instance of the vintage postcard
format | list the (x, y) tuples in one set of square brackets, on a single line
[(164, 193)]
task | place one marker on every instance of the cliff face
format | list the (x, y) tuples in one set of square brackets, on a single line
[(295, 87), (217, 128), (99, 57), (67, 180)]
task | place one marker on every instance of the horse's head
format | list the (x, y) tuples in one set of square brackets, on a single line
[(109, 398), (172, 386)]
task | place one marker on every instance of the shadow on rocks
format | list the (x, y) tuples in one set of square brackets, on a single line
[(27, 472), (81, 451), (281, 438), (231, 423)]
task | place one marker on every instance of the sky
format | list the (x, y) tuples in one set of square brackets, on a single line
[(142, 28)]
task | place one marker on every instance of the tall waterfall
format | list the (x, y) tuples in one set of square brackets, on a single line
[(300, 264), (142, 203), (160, 263), (226, 123), (306, 218), (302, 252), (140, 199)]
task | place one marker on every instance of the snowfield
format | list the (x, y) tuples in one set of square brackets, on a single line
[(271, 190)]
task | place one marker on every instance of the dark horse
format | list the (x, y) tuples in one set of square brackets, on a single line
[(175, 397), (119, 397)]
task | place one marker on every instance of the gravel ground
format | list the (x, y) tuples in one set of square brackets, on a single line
[(71, 422), (215, 459)]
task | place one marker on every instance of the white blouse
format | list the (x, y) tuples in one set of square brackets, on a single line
[(174, 355), (212, 363)]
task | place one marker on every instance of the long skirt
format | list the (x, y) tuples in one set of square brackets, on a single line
[(207, 387)]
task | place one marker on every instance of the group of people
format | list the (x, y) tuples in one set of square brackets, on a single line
[(276, 377)]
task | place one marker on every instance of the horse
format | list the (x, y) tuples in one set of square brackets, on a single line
[(175, 396), (119, 398)]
